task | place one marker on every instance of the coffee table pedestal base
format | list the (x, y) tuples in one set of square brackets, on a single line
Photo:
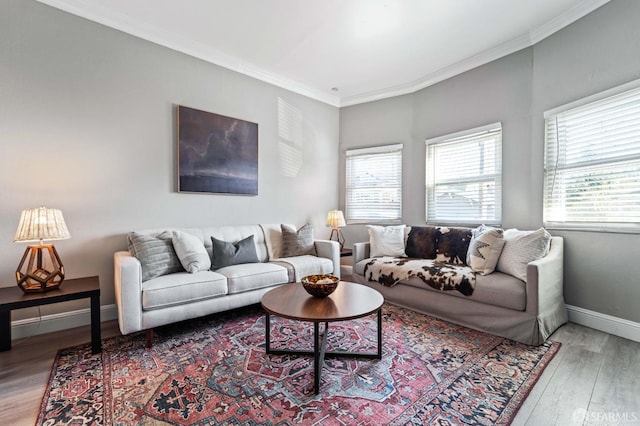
[(320, 348)]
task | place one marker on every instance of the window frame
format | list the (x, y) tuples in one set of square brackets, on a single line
[(552, 114), (430, 179), (369, 151)]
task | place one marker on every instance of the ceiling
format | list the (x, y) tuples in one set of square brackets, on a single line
[(342, 52)]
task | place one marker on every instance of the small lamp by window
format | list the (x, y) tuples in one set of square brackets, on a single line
[(335, 220), (40, 269)]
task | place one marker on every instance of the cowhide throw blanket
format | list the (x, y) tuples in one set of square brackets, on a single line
[(441, 276)]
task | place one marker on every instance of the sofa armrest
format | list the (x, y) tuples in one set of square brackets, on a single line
[(545, 279), (128, 291), (330, 250), (360, 251)]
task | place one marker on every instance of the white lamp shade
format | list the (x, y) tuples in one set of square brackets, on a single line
[(335, 219), (40, 224)]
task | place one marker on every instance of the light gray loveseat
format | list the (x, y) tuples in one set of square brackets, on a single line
[(180, 296), (528, 312)]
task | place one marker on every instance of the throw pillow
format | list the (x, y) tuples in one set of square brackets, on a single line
[(297, 243), (386, 240), (155, 253), (227, 254), (484, 249), (422, 242), (453, 245), (522, 247), (191, 252)]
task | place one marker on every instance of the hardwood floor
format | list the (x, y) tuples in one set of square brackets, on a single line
[(593, 380), (24, 370)]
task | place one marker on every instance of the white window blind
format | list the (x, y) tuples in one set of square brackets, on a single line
[(592, 162), (374, 184), (464, 177)]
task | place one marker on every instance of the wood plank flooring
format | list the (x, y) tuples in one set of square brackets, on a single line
[(593, 380), (24, 370)]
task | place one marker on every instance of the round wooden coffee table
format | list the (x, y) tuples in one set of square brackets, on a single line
[(349, 301)]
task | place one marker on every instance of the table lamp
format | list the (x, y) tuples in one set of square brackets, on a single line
[(40, 269), (335, 220)]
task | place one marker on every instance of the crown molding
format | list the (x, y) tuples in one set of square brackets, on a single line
[(441, 74), (180, 44), (534, 36), (567, 18), (175, 42)]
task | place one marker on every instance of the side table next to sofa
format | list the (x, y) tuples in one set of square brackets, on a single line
[(72, 289)]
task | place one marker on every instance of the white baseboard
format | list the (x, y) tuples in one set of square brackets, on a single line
[(56, 322), (607, 323), (62, 321)]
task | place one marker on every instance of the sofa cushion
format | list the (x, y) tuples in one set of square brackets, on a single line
[(387, 240), (496, 289), (191, 252), (251, 276), (156, 254), (520, 248), (358, 268), (422, 242), (226, 254), (181, 288), (297, 243), (453, 244), (300, 266), (484, 249)]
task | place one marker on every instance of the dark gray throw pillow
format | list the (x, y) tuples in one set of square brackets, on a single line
[(156, 254), (297, 243), (226, 254)]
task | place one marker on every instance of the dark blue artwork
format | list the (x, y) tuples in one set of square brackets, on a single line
[(216, 153)]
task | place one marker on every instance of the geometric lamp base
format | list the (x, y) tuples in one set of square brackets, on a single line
[(47, 273), (339, 236)]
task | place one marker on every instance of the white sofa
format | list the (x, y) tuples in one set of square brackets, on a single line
[(528, 312), (180, 296)]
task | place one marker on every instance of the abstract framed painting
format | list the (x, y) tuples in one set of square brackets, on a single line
[(216, 154)]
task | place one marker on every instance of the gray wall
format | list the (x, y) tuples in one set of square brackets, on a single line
[(600, 51), (593, 54), (87, 125)]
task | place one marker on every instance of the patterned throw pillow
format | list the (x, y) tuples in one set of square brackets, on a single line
[(386, 240), (484, 249), (227, 254), (522, 247), (155, 253), (191, 252), (453, 245), (422, 242), (297, 243)]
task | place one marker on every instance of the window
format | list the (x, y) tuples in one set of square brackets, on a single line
[(464, 177), (592, 162), (374, 184)]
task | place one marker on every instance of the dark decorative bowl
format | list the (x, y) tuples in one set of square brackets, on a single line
[(320, 285)]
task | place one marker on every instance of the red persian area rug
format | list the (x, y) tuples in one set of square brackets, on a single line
[(214, 371)]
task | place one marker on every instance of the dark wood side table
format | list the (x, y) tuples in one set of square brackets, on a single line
[(78, 288), (345, 252)]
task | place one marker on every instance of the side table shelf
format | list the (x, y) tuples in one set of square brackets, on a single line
[(345, 252), (72, 289)]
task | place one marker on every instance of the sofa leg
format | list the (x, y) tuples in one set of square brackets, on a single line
[(149, 337)]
